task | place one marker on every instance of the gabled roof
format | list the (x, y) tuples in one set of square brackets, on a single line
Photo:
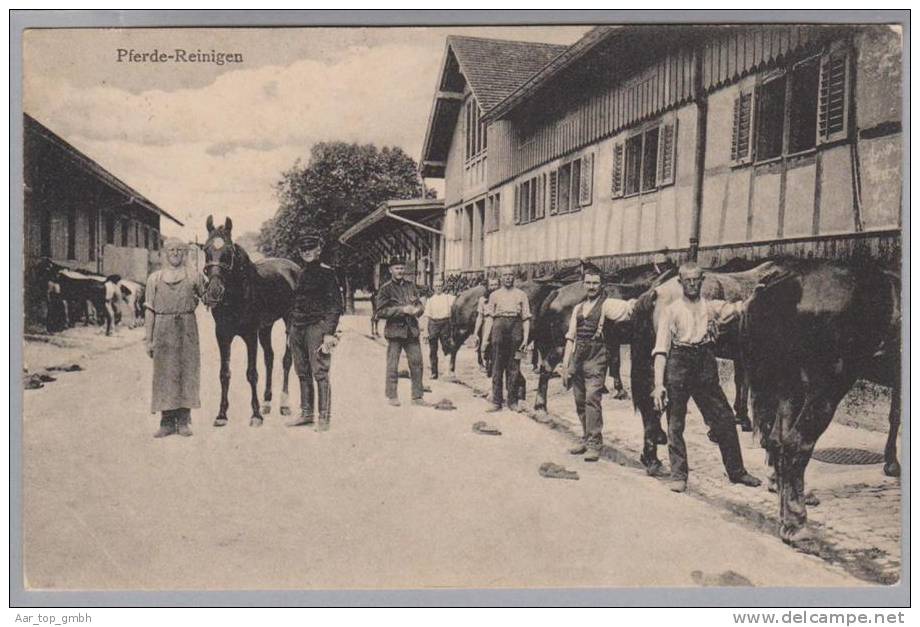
[(492, 68), (39, 130)]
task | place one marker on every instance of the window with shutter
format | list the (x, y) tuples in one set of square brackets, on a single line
[(563, 201), (553, 185), (533, 198), (667, 152), (587, 180), (833, 100), (632, 176), (617, 183), (517, 204), (576, 184), (742, 127), (541, 196)]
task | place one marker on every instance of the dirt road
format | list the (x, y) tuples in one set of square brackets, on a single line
[(390, 497)]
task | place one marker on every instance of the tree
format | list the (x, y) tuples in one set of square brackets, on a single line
[(339, 185)]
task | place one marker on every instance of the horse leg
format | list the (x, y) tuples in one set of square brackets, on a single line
[(892, 467), (265, 339), (741, 398), (613, 366), (286, 362), (223, 343), (252, 376)]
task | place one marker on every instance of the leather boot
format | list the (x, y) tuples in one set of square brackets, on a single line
[(183, 419), (167, 424), (324, 402), (306, 405)]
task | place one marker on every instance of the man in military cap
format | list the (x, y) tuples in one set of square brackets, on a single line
[(314, 321), (398, 303)]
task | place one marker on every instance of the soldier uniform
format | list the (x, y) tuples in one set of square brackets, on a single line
[(314, 320)]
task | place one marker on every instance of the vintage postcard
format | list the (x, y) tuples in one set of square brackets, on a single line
[(453, 307)]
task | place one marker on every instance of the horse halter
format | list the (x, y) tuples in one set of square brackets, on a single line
[(220, 264)]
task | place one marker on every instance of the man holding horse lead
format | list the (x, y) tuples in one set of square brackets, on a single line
[(398, 303), (685, 368), (172, 295), (314, 320), (507, 333), (584, 363)]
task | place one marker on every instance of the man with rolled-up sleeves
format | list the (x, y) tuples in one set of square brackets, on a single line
[(506, 333)]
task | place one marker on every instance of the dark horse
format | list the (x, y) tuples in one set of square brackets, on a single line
[(246, 299), (814, 329)]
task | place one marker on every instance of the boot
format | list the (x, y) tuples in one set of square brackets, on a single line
[(182, 422), (306, 405), (167, 425), (324, 401)]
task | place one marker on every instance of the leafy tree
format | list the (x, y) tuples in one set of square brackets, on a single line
[(339, 185)]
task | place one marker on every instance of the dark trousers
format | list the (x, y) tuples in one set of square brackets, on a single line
[(413, 355), (691, 372), (589, 368), (438, 330), (311, 365), (507, 335), (175, 417)]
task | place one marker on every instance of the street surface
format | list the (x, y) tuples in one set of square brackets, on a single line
[(389, 498)]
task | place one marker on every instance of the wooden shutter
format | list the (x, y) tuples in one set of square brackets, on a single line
[(586, 190), (742, 127), (833, 97), (617, 184), (553, 184), (517, 204), (540, 182), (667, 152)]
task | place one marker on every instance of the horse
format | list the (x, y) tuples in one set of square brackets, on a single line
[(555, 311), (732, 286), (246, 298), (814, 328)]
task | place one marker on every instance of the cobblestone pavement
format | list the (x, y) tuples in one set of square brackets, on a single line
[(857, 523)]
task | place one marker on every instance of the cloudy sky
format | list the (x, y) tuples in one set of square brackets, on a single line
[(202, 138)]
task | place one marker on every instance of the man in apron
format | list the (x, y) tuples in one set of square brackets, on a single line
[(172, 340), (584, 363)]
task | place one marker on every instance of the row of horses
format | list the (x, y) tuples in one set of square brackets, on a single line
[(75, 295), (812, 330)]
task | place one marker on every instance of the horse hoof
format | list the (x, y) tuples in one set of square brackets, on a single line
[(285, 411), (255, 421), (795, 535), (220, 422), (893, 469), (266, 408), (811, 500), (653, 469), (621, 395)]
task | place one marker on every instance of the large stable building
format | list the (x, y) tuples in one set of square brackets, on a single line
[(709, 142)]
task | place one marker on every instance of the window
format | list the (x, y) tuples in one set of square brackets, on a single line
[(137, 235), (124, 232), (794, 109), (563, 204), (495, 212), (110, 229), (646, 161), (92, 234), (156, 239), (147, 237), (72, 233), (476, 130)]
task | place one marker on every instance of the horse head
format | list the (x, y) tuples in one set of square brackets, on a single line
[(221, 261)]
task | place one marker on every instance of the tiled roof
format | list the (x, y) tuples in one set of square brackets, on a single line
[(495, 67)]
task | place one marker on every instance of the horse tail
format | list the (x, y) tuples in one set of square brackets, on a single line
[(768, 346), (642, 372)]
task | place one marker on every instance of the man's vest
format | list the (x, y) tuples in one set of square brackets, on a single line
[(588, 328)]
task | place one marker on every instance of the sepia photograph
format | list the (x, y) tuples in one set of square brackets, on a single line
[(497, 306)]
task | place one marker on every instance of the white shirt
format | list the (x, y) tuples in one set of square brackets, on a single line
[(613, 309), (693, 322), (438, 306)]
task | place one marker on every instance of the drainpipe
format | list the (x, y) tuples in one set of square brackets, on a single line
[(699, 160)]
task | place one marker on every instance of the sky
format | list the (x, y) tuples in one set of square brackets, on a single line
[(200, 138)]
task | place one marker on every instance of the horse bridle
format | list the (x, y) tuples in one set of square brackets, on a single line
[(221, 265)]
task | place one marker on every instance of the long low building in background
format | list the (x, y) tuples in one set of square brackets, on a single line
[(708, 142)]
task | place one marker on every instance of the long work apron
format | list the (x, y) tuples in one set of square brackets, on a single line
[(176, 355)]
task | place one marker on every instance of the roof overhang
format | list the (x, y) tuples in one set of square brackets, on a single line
[(448, 100), (395, 223)]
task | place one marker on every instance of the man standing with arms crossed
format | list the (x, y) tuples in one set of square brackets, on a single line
[(399, 304), (314, 320), (584, 363), (685, 368), (507, 332)]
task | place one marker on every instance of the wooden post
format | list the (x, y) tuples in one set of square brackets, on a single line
[(699, 159)]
